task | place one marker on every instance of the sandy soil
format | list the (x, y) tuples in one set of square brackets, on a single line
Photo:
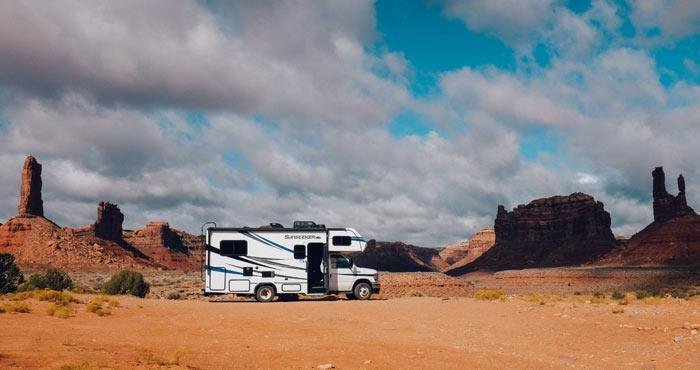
[(416, 332)]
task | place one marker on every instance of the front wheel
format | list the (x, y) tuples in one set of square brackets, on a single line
[(362, 291), (265, 294)]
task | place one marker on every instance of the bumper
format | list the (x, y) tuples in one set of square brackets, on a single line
[(376, 287)]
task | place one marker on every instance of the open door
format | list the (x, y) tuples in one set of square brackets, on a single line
[(317, 267)]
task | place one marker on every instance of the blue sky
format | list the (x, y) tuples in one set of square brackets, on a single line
[(408, 120)]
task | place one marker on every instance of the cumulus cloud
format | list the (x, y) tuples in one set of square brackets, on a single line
[(294, 110)]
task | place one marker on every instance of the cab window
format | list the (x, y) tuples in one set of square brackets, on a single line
[(340, 262)]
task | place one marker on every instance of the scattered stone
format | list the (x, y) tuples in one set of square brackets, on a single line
[(678, 339), (325, 366)]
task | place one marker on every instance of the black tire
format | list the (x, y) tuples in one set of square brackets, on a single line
[(350, 296), (362, 291), (265, 293)]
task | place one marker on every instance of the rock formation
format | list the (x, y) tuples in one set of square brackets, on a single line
[(673, 239), (667, 206), (166, 246), (109, 222), (555, 231), (396, 257), (30, 202), (480, 242)]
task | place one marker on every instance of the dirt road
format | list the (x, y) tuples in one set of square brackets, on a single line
[(420, 332)]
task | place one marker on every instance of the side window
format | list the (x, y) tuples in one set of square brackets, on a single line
[(299, 251), (342, 240), (339, 262), (234, 247)]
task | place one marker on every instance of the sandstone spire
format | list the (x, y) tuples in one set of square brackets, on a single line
[(30, 191), (667, 206)]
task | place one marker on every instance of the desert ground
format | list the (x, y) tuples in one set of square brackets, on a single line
[(420, 321)]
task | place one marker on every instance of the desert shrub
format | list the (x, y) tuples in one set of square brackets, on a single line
[(13, 306), (617, 295), (54, 296), (53, 279), (60, 309), (10, 275), (101, 306), (127, 282), (488, 294), (174, 295), (641, 294), (598, 294)]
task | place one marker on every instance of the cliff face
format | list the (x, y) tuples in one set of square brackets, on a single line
[(673, 239), (480, 242), (30, 202), (555, 231), (396, 257)]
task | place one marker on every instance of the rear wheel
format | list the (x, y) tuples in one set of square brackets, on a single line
[(265, 293), (362, 291)]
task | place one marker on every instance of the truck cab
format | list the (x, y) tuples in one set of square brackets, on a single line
[(356, 282)]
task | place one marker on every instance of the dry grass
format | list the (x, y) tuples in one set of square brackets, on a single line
[(19, 307), (147, 357), (102, 305), (414, 293), (79, 366), (542, 299), (488, 294), (60, 310)]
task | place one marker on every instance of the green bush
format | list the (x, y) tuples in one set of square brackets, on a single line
[(10, 275), (127, 282), (617, 295), (53, 279)]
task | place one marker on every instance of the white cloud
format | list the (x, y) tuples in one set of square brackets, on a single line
[(297, 110)]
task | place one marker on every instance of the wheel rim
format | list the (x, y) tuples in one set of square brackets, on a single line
[(265, 293), (364, 291)]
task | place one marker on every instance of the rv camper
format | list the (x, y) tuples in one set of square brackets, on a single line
[(273, 260)]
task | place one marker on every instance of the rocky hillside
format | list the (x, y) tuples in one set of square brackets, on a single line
[(36, 241), (401, 257), (397, 257), (673, 239), (555, 231)]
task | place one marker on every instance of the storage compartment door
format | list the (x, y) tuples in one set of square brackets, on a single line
[(217, 278)]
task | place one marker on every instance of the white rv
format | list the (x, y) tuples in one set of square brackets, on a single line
[(276, 261)]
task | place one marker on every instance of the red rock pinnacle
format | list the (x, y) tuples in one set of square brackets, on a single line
[(30, 202)]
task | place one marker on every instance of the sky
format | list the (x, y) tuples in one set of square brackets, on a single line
[(407, 120)]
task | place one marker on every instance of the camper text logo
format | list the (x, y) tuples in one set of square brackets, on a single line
[(288, 236)]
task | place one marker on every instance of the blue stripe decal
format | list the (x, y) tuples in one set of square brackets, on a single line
[(357, 239), (222, 269), (270, 242)]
